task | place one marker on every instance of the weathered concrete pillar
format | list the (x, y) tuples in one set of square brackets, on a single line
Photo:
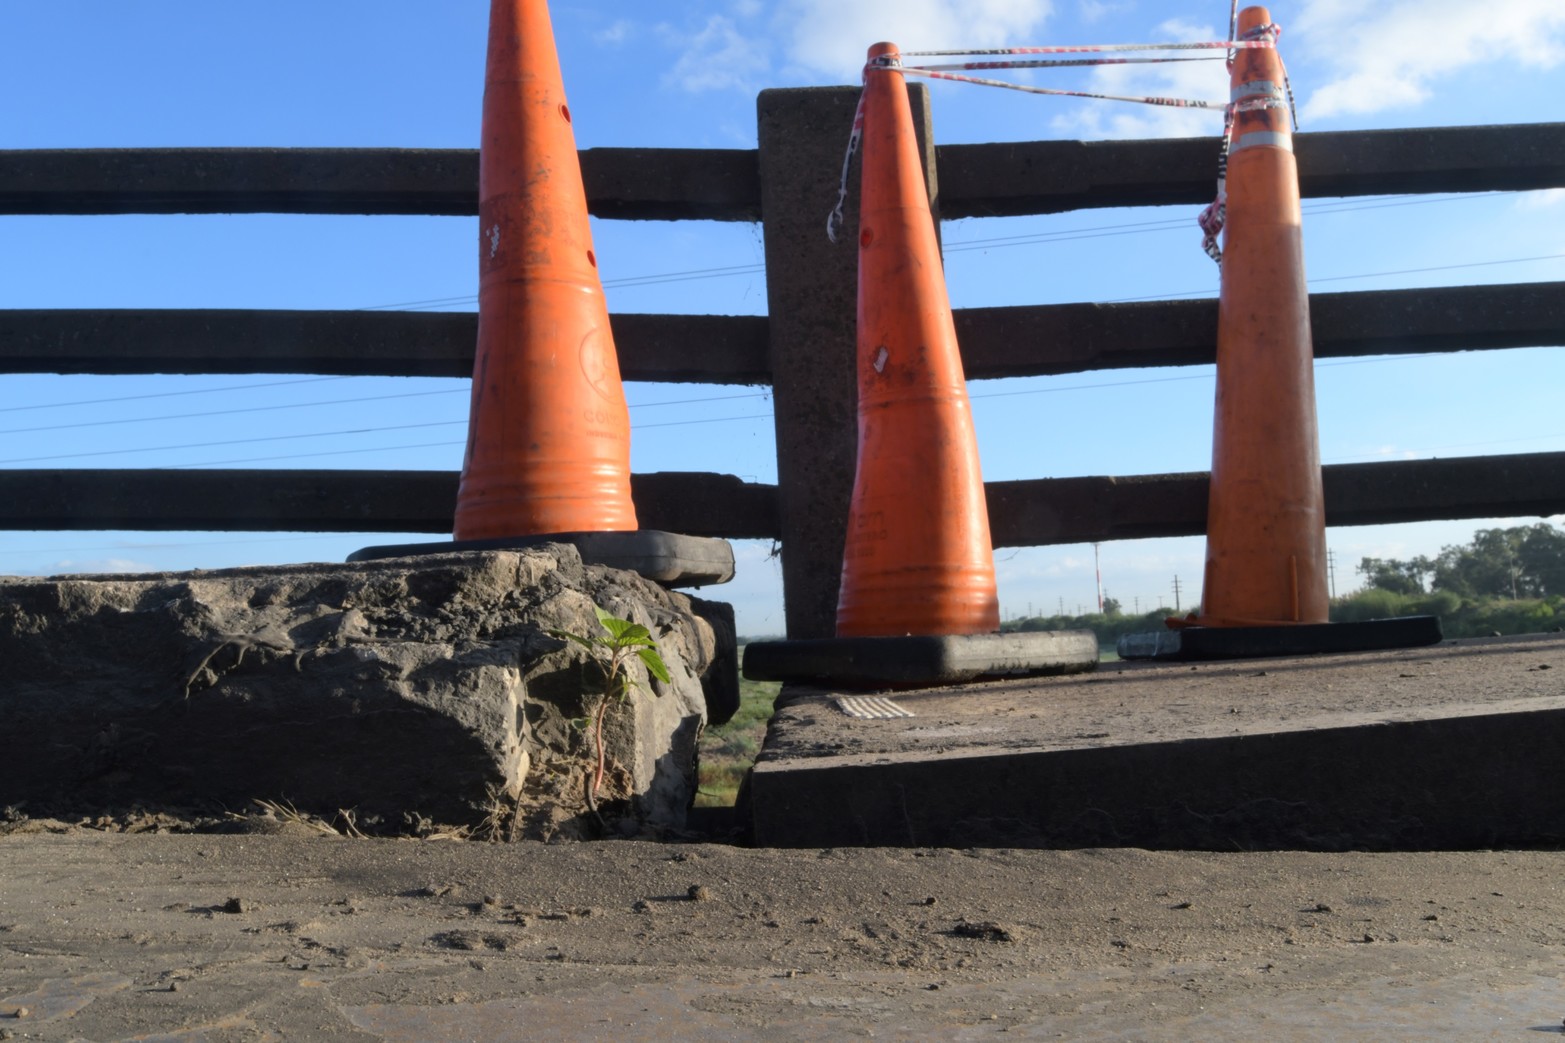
[(812, 299)]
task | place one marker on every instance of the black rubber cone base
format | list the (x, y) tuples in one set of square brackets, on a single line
[(668, 558), (1265, 642), (920, 662)]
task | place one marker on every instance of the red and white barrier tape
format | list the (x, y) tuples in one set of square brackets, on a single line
[(1100, 48), (1050, 63), (1211, 219), (1177, 103)]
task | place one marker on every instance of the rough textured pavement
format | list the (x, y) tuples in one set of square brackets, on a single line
[(228, 938), (291, 935)]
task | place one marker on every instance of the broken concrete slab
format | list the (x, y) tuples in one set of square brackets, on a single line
[(408, 692), (1450, 746), (669, 558), (921, 661)]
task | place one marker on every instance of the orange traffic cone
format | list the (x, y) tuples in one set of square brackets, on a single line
[(918, 558), (1266, 528), (917, 605), (548, 446)]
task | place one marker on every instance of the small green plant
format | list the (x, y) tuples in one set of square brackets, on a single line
[(612, 652)]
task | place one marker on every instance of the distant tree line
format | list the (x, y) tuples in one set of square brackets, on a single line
[(1109, 625), (1506, 581), (1527, 561)]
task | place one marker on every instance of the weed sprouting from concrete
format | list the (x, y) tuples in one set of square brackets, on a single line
[(612, 651)]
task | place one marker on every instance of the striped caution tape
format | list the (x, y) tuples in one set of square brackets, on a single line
[(1247, 97), (953, 72), (1211, 219), (1027, 88), (1052, 63), (1100, 48), (836, 217), (870, 707)]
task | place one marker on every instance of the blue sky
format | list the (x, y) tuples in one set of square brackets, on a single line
[(409, 74)]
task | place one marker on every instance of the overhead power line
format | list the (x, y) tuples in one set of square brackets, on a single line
[(230, 412), (232, 441), (643, 405), (1361, 457), (1127, 228), (443, 445), (1344, 278), (1137, 227), (1334, 206), (326, 434), (165, 394), (439, 445), (634, 427)]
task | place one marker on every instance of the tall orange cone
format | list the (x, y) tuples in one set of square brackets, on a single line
[(917, 605), (1266, 528), (548, 446), (918, 558)]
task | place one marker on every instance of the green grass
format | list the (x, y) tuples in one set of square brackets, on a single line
[(728, 750)]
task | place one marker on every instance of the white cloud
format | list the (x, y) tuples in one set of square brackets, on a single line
[(1392, 56), (615, 34), (1199, 81), (1365, 453), (1392, 452), (1542, 199), (831, 37), (101, 566), (1092, 11), (716, 57)]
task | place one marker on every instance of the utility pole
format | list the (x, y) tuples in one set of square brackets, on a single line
[(1176, 593), (1062, 604), (1097, 571), (1138, 604), (1331, 570)]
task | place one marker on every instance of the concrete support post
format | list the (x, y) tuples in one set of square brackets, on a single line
[(812, 300)]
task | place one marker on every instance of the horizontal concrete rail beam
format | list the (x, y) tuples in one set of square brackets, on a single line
[(1032, 177), (694, 503), (1023, 513), (717, 349), (646, 184), (731, 349), (1083, 510), (1071, 338), (1045, 177)]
